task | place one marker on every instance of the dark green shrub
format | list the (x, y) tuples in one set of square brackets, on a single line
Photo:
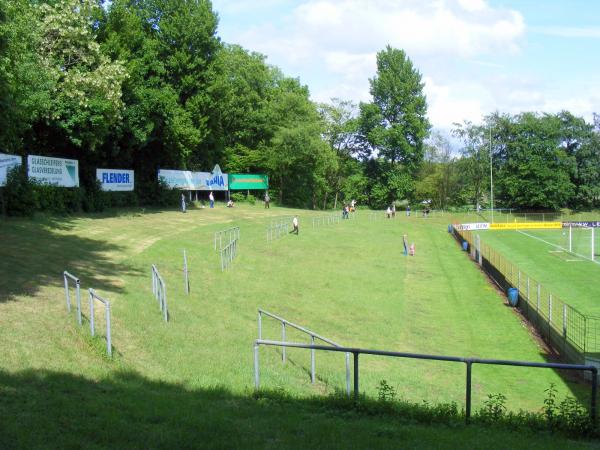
[(18, 196)]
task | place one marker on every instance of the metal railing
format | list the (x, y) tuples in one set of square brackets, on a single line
[(93, 298), (313, 336), (159, 289), (278, 228), (67, 276), (327, 219), (228, 253), (232, 233), (468, 361)]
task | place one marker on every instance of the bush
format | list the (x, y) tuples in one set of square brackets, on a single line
[(239, 197), (18, 196)]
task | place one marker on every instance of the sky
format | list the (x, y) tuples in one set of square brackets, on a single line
[(475, 56)]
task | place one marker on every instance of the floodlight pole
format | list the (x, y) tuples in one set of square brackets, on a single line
[(491, 175)]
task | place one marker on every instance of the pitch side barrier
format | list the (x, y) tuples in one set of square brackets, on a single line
[(575, 336), (313, 336), (469, 362)]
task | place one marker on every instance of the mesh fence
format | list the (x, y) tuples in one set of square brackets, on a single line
[(569, 332)]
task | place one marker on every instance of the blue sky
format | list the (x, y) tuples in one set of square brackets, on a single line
[(475, 56)]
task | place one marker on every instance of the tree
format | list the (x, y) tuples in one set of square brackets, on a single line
[(394, 125), (534, 169), (340, 123), (475, 162)]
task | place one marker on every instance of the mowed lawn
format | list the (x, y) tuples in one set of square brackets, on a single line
[(348, 282), (538, 253)]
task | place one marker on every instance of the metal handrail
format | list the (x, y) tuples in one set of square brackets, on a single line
[(312, 335), (159, 289), (468, 361), (66, 277), (233, 230), (94, 296)]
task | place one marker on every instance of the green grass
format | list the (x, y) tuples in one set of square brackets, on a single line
[(189, 382)]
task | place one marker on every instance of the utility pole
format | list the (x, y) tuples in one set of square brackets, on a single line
[(491, 176)]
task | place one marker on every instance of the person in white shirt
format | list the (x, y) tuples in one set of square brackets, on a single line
[(295, 225), (211, 199), (389, 212)]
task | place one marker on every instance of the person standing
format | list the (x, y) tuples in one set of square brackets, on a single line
[(267, 200), (211, 199), (389, 212), (393, 210), (295, 225), (182, 202), (407, 210)]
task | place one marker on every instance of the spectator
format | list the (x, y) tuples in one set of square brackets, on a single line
[(295, 225), (389, 212), (230, 203), (182, 202), (393, 210), (211, 199), (267, 200)]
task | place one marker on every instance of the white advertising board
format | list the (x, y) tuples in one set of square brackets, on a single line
[(195, 181), (56, 171), (7, 162), (472, 226), (115, 179)]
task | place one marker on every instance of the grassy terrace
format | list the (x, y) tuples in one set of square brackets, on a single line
[(190, 381)]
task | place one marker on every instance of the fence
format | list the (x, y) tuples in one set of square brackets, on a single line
[(574, 335), (159, 289), (228, 253), (67, 276), (313, 337), (277, 229), (93, 298), (232, 233), (328, 219), (467, 361)]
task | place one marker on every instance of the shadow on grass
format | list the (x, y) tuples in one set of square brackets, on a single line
[(34, 254), (42, 409)]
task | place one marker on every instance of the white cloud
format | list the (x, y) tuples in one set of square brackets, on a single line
[(569, 32)]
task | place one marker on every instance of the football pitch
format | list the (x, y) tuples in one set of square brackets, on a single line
[(566, 261)]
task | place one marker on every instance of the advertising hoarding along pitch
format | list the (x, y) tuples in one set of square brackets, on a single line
[(240, 181), (56, 171), (472, 226), (195, 181), (583, 224), (7, 162), (115, 179), (525, 225)]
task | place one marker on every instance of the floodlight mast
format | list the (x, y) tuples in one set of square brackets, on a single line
[(491, 175)]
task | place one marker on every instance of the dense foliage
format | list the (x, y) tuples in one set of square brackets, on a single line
[(149, 84)]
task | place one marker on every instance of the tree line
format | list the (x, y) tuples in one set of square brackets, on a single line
[(148, 84)]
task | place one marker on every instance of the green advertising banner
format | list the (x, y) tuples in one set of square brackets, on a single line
[(239, 181)]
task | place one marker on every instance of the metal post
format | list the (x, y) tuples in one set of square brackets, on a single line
[(108, 340), (550, 309), (519, 281), (355, 376), (539, 291), (67, 293), (92, 330), (165, 312), (468, 393), (256, 371), (78, 294), (259, 325), (565, 321), (283, 340), (594, 394), (348, 374), (593, 246), (528, 298), (570, 238), (312, 360), (185, 271)]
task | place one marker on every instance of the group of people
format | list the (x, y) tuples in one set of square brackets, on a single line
[(391, 211), (348, 208)]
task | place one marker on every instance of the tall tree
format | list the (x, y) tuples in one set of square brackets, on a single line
[(394, 125)]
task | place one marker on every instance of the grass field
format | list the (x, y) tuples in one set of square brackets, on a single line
[(191, 380)]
